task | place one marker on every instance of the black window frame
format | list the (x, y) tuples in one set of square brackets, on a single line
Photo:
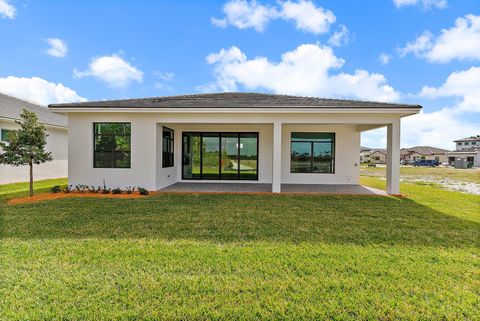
[(312, 146), (168, 156), (201, 135), (113, 135)]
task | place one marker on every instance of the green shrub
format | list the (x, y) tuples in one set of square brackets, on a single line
[(116, 191), (142, 191), (68, 189), (93, 189), (105, 190), (129, 190), (81, 188), (56, 189)]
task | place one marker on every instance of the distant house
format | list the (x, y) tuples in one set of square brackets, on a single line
[(375, 156), (467, 149), (364, 151), (468, 144), (57, 140), (423, 152)]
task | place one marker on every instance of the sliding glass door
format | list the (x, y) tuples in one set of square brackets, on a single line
[(210, 156), (225, 156), (248, 157), (229, 156)]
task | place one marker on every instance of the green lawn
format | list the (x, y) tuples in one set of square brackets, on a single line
[(40, 186), (185, 256)]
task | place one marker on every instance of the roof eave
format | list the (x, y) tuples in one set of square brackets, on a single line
[(277, 109), (44, 123)]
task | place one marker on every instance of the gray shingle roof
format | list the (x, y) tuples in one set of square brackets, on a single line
[(377, 150), (471, 138), (231, 100), (11, 108), (426, 150)]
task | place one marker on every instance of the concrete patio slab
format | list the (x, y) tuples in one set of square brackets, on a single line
[(205, 187)]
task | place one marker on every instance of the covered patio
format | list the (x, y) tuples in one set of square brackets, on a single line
[(236, 142), (203, 187)]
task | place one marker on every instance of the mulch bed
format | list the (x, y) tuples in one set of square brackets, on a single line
[(53, 196)]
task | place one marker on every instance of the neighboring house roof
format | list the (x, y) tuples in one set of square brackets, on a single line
[(469, 149), (378, 150), (11, 108), (426, 150), (232, 100), (467, 139)]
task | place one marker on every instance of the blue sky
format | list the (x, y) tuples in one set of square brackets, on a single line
[(414, 51)]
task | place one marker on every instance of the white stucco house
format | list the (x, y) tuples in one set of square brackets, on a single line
[(374, 156), (226, 138), (411, 154), (467, 149), (57, 140)]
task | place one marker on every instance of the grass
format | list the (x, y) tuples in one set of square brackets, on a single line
[(39, 186), (437, 173), (185, 256)]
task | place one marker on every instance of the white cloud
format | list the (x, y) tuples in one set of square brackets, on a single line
[(58, 47), (340, 37), (427, 4), (245, 14), (461, 42), (384, 58), (461, 84), (439, 128), (7, 10), (305, 70), (113, 70), (307, 16), (419, 46), (38, 90), (166, 76)]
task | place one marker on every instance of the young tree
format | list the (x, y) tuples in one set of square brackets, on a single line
[(26, 146)]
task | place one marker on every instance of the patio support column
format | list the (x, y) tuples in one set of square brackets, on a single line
[(277, 157), (393, 157)]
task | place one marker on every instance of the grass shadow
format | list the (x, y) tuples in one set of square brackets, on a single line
[(358, 220)]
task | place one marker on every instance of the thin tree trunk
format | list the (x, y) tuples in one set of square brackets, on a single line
[(31, 179)]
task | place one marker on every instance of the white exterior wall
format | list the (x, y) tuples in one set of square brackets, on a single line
[(56, 144), (143, 149), (474, 154), (347, 155), (146, 139)]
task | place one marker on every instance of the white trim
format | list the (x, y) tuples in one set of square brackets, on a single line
[(255, 110)]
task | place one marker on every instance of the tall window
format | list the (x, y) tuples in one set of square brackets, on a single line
[(167, 148), (312, 153), (112, 145)]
